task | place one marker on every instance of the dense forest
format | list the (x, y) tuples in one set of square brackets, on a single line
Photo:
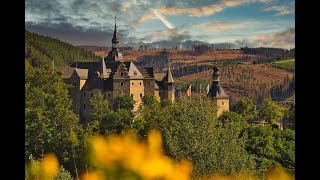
[(42, 51), (189, 129), (269, 54)]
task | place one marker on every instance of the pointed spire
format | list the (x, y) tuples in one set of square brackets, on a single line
[(169, 77), (115, 26), (103, 72), (115, 39)]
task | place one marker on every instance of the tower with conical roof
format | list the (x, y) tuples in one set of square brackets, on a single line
[(216, 92), (115, 54), (168, 84)]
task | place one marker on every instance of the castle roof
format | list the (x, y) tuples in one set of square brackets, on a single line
[(216, 91), (134, 73), (67, 72)]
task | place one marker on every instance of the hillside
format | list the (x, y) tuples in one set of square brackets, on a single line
[(250, 80), (41, 51), (185, 56), (288, 64)]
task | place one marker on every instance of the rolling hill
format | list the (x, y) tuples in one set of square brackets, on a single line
[(41, 51)]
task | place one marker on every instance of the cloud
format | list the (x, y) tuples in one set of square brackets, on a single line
[(205, 10), (283, 9), (143, 18), (176, 35), (77, 35), (281, 39), (214, 27)]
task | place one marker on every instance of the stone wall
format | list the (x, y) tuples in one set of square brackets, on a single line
[(222, 105), (137, 91)]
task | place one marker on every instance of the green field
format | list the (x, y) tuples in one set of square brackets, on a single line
[(288, 64)]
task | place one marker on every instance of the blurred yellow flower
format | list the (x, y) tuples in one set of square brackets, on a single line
[(46, 169), (50, 165), (277, 173), (91, 176), (145, 159)]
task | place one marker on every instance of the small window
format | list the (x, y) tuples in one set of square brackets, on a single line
[(84, 106), (114, 73), (109, 95), (222, 102), (132, 83), (159, 93), (91, 94), (140, 83), (84, 94), (121, 83), (135, 73), (149, 84), (132, 95), (141, 95), (121, 74)]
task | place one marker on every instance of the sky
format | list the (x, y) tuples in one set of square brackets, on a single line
[(159, 23)]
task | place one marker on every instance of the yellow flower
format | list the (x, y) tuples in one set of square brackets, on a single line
[(91, 176), (277, 173), (50, 165)]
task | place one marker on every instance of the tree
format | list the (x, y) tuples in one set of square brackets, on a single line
[(49, 119), (190, 130), (246, 108), (150, 101), (270, 110), (124, 101), (271, 146), (99, 107)]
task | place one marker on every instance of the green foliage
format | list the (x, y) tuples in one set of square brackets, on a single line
[(41, 51), (99, 107), (288, 65), (150, 101), (270, 110), (271, 146), (246, 108), (190, 130), (49, 121), (233, 119), (123, 101), (63, 174)]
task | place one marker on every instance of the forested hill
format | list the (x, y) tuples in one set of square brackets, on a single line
[(41, 51)]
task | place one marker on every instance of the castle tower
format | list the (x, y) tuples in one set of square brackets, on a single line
[(115, 54), (168, 84), (216, 92)]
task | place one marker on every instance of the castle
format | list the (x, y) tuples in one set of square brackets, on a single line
[(113, 76)]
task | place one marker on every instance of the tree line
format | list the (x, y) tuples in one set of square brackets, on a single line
[(189, 129), (42, 51)]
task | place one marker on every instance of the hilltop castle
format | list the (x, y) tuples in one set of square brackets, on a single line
[(113, 76)]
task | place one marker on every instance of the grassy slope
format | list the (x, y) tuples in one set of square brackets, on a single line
[(288, 64)]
